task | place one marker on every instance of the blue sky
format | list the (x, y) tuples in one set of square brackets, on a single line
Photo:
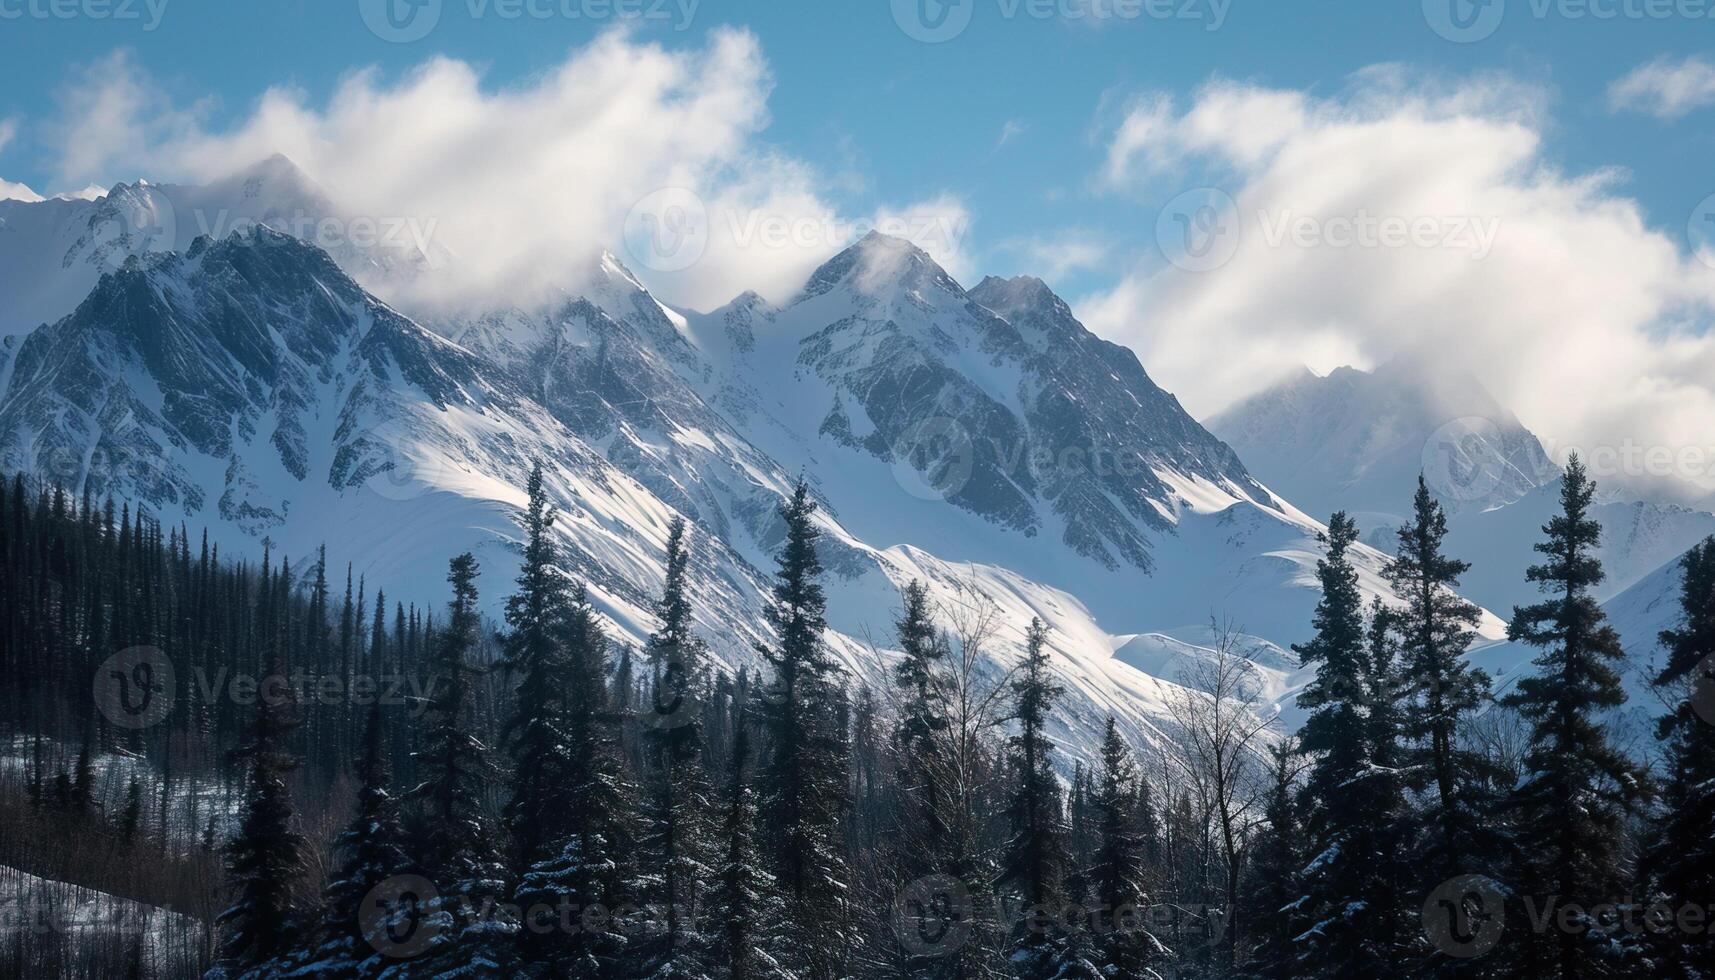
[(855, 94), (1019, 125)]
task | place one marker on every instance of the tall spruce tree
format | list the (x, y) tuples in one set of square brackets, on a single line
[(1034, 861), (267, 855), (534, 652), (1355, 899), (804, 779), (456, 847), (1116, 874), (1680, 859), (747, 915), (1576, 782), (588, 871), (370, 852), (1273, 897), (924, 827), (1435, 627), (676, 828)]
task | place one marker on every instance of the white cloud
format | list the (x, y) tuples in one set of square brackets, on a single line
[(1009, 131), (8, 130), (523, 184), (1054, 257), (1588, 322), (90, 192), (1664, 88), (11, 191)]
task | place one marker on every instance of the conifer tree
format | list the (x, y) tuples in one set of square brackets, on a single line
[(266, 856), (588, 870), (747, 914), (534, 652), (1435, 627), (1273, 916), (1116, 874), (1681, 855), (370, 852), (923, 824), (456, 846), (678, 800), (1355, 899), (1576, 782), (1034, 863), (804, 778)]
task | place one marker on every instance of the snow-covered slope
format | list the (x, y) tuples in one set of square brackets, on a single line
[(1637, 538), (980, 441), (52, 252), (1357, 441)]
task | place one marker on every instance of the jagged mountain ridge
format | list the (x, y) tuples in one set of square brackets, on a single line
[(53, 252), (399, 444)]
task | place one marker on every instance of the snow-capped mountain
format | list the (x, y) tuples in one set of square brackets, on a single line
[(1357, 440), (981, 441), (52, 252)]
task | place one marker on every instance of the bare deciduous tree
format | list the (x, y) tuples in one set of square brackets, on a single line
[(1221, 734)]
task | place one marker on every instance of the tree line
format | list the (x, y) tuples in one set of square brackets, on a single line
[(441, 796)]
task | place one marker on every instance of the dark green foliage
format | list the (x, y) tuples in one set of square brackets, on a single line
[(803, 780), (1680, 859), (1577, 783)]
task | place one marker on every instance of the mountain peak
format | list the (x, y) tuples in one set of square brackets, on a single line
[(880, 263), (1020, 293)]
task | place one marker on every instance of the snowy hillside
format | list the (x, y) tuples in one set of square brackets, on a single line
[(53, 252), (1357, 441), (982, 441)]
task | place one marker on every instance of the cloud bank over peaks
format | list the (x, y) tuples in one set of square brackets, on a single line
[(1409, 217), (523, 183)]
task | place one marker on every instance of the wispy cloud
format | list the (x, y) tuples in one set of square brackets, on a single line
[(1591, 324), (1664, 88), (524, 182), (1009, 131), (1056, 256)]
